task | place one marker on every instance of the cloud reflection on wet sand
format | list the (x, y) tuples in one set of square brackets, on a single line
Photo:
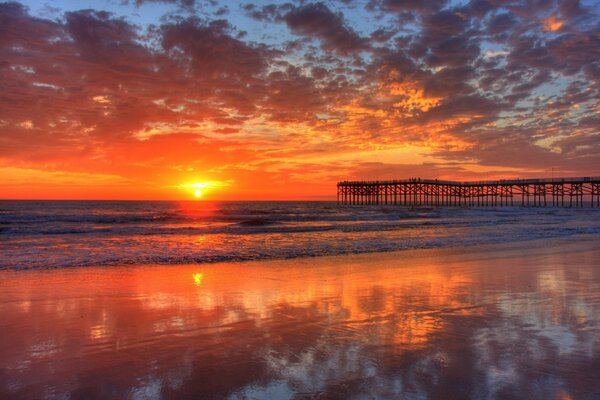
[(490, 324)]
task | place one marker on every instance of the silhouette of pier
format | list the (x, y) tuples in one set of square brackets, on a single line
[(551, 192)]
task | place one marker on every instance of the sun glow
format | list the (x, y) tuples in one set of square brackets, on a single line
[(199, 189)]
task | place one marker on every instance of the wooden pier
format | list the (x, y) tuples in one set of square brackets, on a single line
[(551, 192)]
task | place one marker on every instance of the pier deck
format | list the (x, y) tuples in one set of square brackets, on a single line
[(553, 192)]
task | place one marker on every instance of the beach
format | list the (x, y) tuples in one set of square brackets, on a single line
[(505, 320)]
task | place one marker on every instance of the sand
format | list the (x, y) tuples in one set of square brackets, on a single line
[(501, 321)]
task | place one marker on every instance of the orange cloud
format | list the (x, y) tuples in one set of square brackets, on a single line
[(552, 23)]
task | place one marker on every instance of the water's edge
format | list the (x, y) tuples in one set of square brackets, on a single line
[(40, 235)]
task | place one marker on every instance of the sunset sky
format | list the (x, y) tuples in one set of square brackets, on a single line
[(150, 99)]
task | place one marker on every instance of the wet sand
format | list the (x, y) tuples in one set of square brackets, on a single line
[(504, 321)]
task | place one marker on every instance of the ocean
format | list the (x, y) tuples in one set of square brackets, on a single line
[(62, 234), (150, 300)]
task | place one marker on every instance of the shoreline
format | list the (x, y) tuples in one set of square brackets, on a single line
[(584, 242), (451, 253)]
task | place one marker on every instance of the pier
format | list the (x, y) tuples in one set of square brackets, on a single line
[(551, 192)]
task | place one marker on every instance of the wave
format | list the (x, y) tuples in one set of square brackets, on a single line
[(68, 234), (188, 256)]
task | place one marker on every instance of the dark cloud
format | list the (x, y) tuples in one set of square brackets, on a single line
[(318, 21), (467, 106), (397, 63), (382, 35), (478, 8), (443, 24), (501, 23), (267, 13), (211, 52), (406, 5), (570, 8), (182, 3), (450, 82), (17, 28), (453, 51), (572, 51), (101, 38)]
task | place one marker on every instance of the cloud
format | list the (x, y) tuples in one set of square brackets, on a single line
[(501, 23), (406, 5), (89, 91), (182, 3), (318, 21), (211, 52), (267, 13)]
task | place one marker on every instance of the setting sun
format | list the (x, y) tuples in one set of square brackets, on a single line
[(199, 189)]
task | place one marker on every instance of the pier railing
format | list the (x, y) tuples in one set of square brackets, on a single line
[(555, 192)]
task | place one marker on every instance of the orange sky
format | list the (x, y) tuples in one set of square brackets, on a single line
[(281, 100)]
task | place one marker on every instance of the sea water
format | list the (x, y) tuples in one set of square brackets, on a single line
[(51, 234)]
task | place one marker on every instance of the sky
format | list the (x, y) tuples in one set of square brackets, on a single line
[(266, 100)]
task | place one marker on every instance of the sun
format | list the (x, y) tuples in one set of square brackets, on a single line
[(203, 188)]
